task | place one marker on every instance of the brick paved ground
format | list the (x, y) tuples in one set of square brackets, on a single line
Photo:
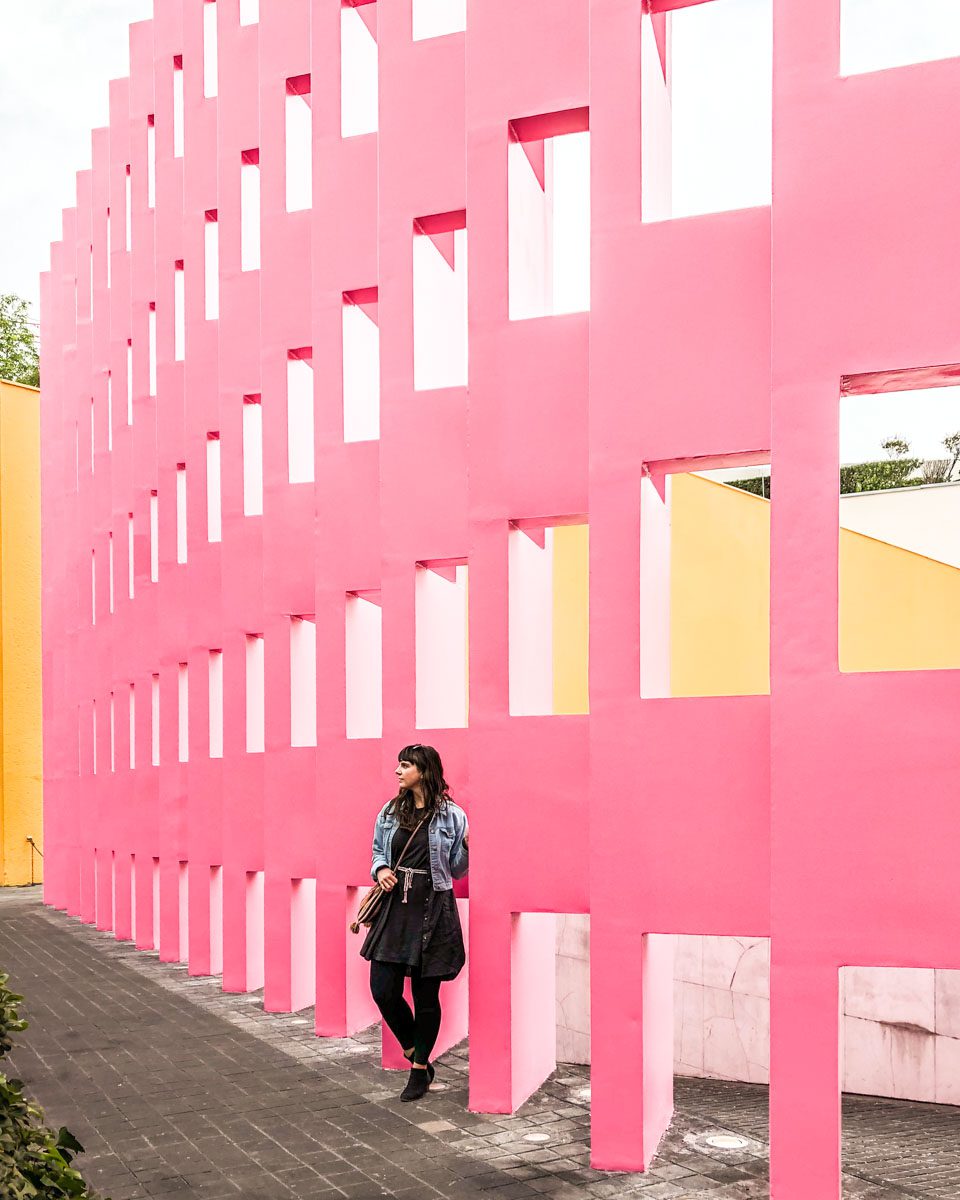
[(175, 1088)]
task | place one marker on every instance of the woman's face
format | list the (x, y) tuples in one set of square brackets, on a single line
[(408, 775)]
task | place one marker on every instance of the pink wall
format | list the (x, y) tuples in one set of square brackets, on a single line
[(732, 815)]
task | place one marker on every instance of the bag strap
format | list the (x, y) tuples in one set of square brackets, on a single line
[(409, 840)]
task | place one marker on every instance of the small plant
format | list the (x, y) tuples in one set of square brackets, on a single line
[(34, 1161)]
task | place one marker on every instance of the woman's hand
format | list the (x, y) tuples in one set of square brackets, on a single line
[(466, 839), (386, 879)]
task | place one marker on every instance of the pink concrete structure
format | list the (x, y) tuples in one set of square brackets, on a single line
[(190, 802)]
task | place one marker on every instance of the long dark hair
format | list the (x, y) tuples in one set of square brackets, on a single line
[(436, 790)]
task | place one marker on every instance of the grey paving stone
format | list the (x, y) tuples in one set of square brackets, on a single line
[(177, 1089)]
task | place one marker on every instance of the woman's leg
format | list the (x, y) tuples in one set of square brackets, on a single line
[(386, 986), (426, 1004)]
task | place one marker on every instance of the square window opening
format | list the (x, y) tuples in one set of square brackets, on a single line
[(549, 214), (440, 301), (899, 509), (706, 102), (549, 617), (364, 665), (299, 144), (359, 87), (442, 671), (361, 366), (705, 577)]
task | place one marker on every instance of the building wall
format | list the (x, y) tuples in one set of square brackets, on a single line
[(21, 789), (923, 519), (898, 609), (742, 815)]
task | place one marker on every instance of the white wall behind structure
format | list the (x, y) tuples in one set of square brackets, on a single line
[(925, 519), (901, 1027)]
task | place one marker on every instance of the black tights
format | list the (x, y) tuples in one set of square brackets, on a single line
[(420, 1031)]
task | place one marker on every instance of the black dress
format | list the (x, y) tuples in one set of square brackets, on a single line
[(424, 931)]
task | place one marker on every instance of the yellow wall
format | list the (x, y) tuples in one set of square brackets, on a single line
[(571, 549), (20, 712), (898, 610), (719, 590)]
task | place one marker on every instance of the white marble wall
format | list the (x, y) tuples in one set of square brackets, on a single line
[(901, 1028)]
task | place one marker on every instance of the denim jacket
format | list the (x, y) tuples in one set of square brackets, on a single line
[(449, 857)]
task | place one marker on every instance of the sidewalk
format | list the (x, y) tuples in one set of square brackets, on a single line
[(177, 1089)]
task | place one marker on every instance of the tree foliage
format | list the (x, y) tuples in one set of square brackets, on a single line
[(19, 358)]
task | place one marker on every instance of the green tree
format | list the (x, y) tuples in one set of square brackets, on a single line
[(19, 359), (952, 445)]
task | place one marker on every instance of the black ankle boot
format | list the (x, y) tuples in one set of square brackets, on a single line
[(417, 1085), (431, 1073)]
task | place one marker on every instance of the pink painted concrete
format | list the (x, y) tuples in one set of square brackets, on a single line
[(715, 336)]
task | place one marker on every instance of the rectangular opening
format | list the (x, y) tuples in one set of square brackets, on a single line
[(128, 208), (877, 34), (252, 456), (303, 681), (549, 214), (152, 347), (215, 702), (300, 415), (209, 48), (299, 144), (250, 210), (181, 512), (183, 906), (705, 577), (549, 617), (436, 18), (110, 569), (131, 575), (440, 301), (93, 734), (303, 943), (132, 729), (359, 68), (706, 103), (255, 693), (93, 587), (109, 248), (899, 1034), (441, 644), (155, 720), (216, 920), (178, 106), (183, 713), (109, 411), (179, 329), (211, 265), (214, 509), (254, 931), (361, 365), (93, 435), (249, 12), (364, 665), (151, 163), (155, 944), (899, 547), (113, 734), (154, 537), (129, 382)]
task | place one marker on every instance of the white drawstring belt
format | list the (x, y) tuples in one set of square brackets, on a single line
[(408, 873)]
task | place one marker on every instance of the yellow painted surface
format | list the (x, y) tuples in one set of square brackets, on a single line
[(571, 550), (719, 590), (21, 789), (899, 611)]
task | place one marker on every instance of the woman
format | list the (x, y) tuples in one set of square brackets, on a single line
[(417, 931)]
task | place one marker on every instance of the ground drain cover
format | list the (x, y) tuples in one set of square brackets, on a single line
[(726, 1141)]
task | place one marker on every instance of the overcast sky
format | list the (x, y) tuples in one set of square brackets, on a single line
[(59, 56), (58, 59)]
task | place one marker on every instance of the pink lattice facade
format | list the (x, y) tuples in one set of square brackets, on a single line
[(822, 816)]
